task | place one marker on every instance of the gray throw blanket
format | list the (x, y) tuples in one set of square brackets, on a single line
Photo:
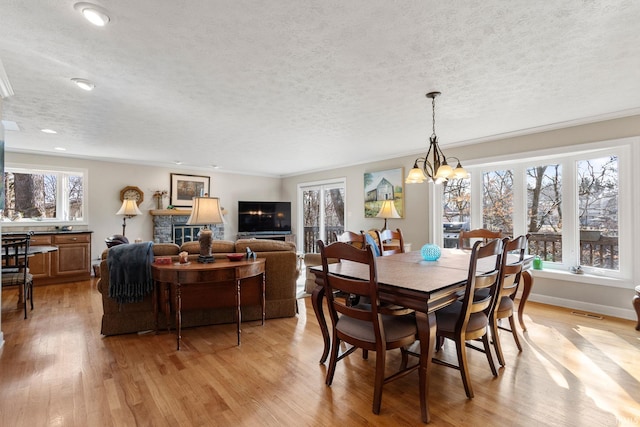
[(130, 271)]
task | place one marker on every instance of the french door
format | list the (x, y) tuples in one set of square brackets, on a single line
[(321, 207)]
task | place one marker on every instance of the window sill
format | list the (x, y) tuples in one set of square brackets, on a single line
[(591, 279)]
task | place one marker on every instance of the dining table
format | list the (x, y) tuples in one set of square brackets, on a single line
[(407, 280)]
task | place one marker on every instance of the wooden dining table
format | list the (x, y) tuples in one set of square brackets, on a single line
[(407, 280)]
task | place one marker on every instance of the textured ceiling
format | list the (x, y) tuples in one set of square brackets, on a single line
[(282, 87)]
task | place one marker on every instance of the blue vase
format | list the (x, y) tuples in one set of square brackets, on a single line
[(430, 252)]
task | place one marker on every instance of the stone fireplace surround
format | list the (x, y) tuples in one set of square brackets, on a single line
[(164, 221)]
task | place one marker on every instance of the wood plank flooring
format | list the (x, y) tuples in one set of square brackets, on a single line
[(57, 370)]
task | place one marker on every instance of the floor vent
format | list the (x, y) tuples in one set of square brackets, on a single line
[(589, 315)]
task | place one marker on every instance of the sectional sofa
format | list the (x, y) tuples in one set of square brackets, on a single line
[(280, 292)]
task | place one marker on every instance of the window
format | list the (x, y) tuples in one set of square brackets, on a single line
[(321, 208), (43, 195), (544, 211), (497, 201), (573, 204), (597, 181)]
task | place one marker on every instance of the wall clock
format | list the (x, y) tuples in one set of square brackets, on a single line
[(132, 192)]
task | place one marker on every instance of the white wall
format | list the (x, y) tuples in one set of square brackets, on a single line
[(613, 301), (106, 179)]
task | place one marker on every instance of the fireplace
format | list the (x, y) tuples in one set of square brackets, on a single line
[(170, 226)]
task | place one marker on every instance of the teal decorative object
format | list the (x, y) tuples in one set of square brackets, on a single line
[(430, 252)]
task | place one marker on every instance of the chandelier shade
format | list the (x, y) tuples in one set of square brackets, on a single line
[(433, 166)]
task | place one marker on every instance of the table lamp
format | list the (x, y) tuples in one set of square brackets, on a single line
[(206, 211), (387, 210), (129, 209)]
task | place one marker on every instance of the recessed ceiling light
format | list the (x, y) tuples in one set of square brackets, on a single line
[(215, 166), (60, 149), (95, 14), (84, 84), (48, 131), (178, 162)]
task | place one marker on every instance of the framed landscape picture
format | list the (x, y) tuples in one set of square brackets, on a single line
[(185, 187), (380, 186)]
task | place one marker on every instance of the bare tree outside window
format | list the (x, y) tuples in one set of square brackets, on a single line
[(598, 212), (456, 201), (38, 196), (497, 201), (544, 207)]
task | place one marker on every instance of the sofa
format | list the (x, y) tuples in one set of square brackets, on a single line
[(280, 288)]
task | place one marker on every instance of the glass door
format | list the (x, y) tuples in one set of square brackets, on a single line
[(322, 213)]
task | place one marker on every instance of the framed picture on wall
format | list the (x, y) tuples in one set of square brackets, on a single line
[(185, 187), (383, 185)]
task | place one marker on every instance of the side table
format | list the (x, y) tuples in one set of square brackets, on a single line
[(192, 286)]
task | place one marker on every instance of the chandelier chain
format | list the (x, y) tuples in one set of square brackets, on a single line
[(433, 116)]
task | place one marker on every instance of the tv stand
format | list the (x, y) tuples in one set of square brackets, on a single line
[(275, 236)]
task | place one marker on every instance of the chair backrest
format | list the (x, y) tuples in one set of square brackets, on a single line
[(511, 269), (354, 239), (336, 285), (466, 239), (484, 271), (390, 242), (15, 253)]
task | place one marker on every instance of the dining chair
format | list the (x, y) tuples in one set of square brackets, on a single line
[(364, 326), (467, 319), (509, 279), (390, 242), (466, 239), (15, 267), (354, 239)]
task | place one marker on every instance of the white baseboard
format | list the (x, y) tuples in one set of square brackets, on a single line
[(607, 310)]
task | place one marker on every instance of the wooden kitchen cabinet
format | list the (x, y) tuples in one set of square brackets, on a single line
[(40, 264), (72, 260)]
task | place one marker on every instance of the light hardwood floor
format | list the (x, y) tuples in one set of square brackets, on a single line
[(57, 370)]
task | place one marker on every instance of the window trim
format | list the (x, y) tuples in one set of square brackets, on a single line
[(628, 152), (36, 168)]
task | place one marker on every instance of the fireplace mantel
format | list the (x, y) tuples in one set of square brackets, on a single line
[(170, 212)]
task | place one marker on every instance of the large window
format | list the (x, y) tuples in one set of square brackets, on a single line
[(43, 195), (572, 204)]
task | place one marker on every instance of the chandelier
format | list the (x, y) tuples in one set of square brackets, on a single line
[(436, 168)]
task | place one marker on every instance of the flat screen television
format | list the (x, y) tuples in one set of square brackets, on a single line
[(264, 217)]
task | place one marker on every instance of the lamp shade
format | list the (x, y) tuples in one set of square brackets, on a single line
[(416, 176), (206, 210), (388, 210), (129, 208)]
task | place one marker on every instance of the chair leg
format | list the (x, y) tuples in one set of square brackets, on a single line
[(496, 342), (25, 292), (333, 360), (379, 381), (365, 354), (512, 323), (405, 359), (462, 364), (487, 350)]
